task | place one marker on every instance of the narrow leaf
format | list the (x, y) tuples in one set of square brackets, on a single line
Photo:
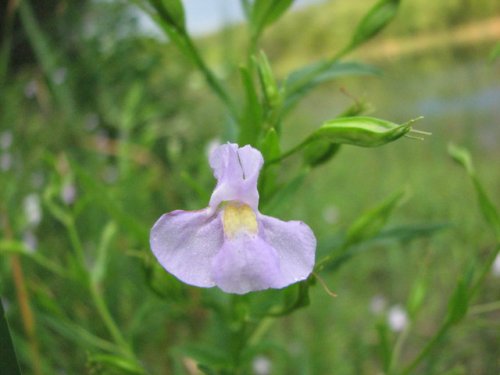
[(265, 12), (379, 16), (172, 12), (126, 366), (488, 209), (270, 147), (303, 80), (252, 116), (372, 221), (8, 357), (459, 303), (272, 94), (101, 263), (103, 199)]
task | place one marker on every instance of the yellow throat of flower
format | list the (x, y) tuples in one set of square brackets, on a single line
[(239, 218)]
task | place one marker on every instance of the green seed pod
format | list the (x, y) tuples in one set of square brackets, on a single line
[(361, 131), (319, 152)]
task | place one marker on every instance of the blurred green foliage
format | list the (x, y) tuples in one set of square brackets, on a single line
[(104, 127)]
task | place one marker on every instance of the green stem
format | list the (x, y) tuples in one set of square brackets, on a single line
[(108, 320), (485, 271), (209, 76), (398, 347), (6, 49), (428, 347), (96, 295), (342, 249), (288, 153), (484, 308)]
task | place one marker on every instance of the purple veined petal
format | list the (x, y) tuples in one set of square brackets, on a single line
[(245, 264), (295, 245), (224, 162), (237, 172), (185, 242), (251, 161)]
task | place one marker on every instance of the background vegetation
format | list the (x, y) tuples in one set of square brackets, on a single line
[(104, 127)]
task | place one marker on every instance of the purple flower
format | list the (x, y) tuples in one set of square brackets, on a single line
[(230, 244)]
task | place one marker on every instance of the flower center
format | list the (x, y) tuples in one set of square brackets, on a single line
[(239, 218)]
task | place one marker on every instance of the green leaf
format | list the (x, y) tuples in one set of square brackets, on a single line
[(265, 12), (252, 116), (101, 263), (296, 297), (17, 247), (8, 357), (488, 209), (103, 199), (462, 157), (344, 254), (410, 232), (125, 365), (172, 12), (384, 345), (206, 355), (459, 303), (495, 53), (163, 284), (301, 81), (48, 55), (270, 147), (416, 297), (286, 193), (374, 21), (77, 334), (372, 221), (272, 93)]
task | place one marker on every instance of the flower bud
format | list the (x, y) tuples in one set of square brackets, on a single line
[(269, 86)]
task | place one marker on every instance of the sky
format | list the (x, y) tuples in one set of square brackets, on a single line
[(206, 16)]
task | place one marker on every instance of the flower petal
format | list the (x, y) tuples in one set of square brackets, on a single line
[(251, 161), (237, 172), (295, 245), (185, 242), (224, 162), (246, 264)]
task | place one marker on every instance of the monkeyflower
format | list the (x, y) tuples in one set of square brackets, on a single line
[(230, 244)]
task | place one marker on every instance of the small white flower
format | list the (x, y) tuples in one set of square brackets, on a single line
[(397, 318), (331, 214), (59, 76), (378, 304), (91, 121), (37, 179), (30, 89), (68, 193), (261, 365), (30, 240), (496, 266), (5, 162), (111, 174), (5, 303), (6, 140), (32, 209)]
